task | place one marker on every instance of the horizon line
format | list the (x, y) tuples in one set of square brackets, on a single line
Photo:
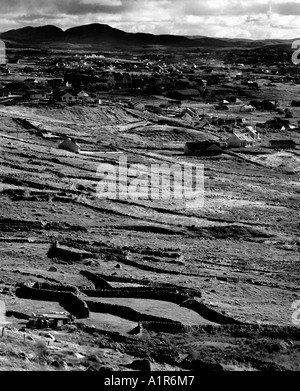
[(139, 32)]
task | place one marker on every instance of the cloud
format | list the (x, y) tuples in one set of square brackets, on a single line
[(287, 8), (229, 18)]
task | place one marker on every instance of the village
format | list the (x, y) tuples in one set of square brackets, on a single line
[(199, 92)]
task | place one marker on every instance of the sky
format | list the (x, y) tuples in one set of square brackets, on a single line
[(253, 19)]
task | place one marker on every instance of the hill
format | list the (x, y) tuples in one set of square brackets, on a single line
[(101, 35), (92, 35)]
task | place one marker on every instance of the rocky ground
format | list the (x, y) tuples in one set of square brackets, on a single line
[(237, 256)]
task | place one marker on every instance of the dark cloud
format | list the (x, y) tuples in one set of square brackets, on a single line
[(286, 8)]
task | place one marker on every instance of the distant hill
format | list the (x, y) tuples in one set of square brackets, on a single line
[(102, 35), (91, 35)]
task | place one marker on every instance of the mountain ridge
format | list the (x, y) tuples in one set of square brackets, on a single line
[(97, 34)]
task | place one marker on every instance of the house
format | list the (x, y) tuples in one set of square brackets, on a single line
[(247, 108), (239, 140), (82, 95), (126, 81), (269, 104), (39, 95), (49, 320), (67, 97), (188, 115), (206, 147), (111, 82), (138, 106), (203, 123), (234, 100), (20, 88), (252, 84), (282, 144), (70, 145), (221, 107), (253, 133)]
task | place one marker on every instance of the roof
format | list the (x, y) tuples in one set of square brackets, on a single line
[(54, 316), (188, 92), (83, 93), (243, 137), (202, 144)]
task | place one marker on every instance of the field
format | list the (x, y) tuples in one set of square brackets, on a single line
[(239, 251)]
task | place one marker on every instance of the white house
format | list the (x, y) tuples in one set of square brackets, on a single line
[(253, 133), (238, 140)]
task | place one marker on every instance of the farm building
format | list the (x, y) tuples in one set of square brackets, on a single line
[(238, 140), (282, 144), (206, 147)]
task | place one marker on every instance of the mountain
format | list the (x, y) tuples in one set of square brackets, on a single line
[(34, 34), (91, 35), (103, 36)]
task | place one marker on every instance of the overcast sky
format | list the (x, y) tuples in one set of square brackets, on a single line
[(255, 19)]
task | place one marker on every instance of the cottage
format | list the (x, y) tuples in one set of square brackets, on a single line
[(82, 95), (52, 320), (206, 147), (39, 95), (111, 81), (238, 140), (67, 97), (16, 88), (269, 104), (70, 145), (247, 108), (138, 106), (234, 100), (188, 115)]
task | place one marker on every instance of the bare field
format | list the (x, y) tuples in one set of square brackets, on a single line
[(240, 250)]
